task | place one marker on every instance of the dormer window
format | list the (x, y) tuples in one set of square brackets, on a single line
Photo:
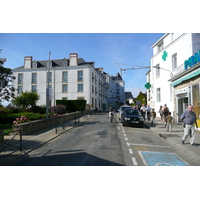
[(64, 63), (34, 64)]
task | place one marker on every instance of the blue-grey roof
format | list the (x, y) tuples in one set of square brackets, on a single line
[(57, 63)]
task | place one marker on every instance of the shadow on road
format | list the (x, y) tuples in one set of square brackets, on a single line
[(75, 158)]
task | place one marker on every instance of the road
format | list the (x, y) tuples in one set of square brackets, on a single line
[(98, 142)]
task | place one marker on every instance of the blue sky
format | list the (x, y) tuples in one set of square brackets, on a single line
[(105, 49)]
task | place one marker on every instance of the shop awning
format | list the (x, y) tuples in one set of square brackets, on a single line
[(189, 76)]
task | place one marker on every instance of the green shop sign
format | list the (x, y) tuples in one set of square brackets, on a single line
[(192, 60), (147, 85)]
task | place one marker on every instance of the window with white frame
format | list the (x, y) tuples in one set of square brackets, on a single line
[(157, 71), (80, 76), (20, 78), (158, 95), (80, 87), (160, 47), (64, 77), (34, 64), (20, 89), (64, 63), (64, 88), (34, 88), (174, 62), (34, 78)]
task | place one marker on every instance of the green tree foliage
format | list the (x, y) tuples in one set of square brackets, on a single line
[(6, 77), (26, 99), (142, 98)]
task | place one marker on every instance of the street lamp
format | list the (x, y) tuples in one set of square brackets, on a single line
[(157, 67)]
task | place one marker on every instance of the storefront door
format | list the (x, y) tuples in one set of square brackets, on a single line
[(182, 106)]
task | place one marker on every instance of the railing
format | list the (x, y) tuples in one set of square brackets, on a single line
[(8, 144), (62, 125)]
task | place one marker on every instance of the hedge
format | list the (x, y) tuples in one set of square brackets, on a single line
[(73, 105), (9, 118)]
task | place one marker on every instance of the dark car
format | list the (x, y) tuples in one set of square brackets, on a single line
[(132, 117)]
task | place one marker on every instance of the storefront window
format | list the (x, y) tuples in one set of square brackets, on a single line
[(196, 99)]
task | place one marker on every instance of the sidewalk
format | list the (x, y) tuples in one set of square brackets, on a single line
[(33, 141), (175, 138)]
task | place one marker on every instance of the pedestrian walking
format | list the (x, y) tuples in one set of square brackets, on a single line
[(161, 113), (169, 119), (189, 118), (153, 115), (148, 112), (143, 111), (165, 113)]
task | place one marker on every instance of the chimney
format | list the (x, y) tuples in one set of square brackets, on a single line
[(28, 62), (73, 59)]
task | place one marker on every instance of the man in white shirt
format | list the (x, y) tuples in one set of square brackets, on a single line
[(143, 111)]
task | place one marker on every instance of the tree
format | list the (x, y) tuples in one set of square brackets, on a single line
[(26, 99), (141, 98), (6, 77)]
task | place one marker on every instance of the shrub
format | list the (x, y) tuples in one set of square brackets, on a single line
[(59, 109), (20, 120), (2, 111), (80, 104), (39, 109), (9, 118), (73, 105), (12, 109)]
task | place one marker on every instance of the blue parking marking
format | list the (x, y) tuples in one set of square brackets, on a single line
[(160, 159)]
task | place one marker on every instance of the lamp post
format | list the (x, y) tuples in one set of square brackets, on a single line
[(47, 89), (157, 67)]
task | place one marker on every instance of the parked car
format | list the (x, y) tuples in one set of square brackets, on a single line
[(132, 117), (121, 109)]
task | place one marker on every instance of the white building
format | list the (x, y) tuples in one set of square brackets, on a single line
[(72, 78), (169, 55), (115, 92)]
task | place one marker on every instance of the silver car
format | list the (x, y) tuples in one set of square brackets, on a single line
[(121, 110)]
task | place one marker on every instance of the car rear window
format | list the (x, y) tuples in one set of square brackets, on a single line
[(123, 108), (131, 112)]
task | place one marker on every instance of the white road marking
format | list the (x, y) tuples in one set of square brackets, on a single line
[(143, 159), (134, 161), (130, 151), (128, 144), (148, 145), (125, 135), (126, 138)]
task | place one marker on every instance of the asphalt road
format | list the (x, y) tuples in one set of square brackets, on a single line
[(98, 142), (94, 143)]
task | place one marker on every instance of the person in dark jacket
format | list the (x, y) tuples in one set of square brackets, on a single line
[(189, 118)]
